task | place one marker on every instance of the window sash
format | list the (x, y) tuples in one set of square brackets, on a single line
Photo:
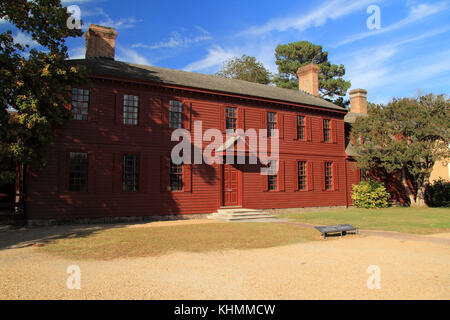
[(272, 182), (328, 176), (130, 109), (271, 123), (326, 130), (300, 127), (272, 178), (302, 175), (176, 176), (231, 118), (175, 114), (80, 104), (78, 171), (130, 173)]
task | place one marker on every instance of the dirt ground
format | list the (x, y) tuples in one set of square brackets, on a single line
[(411, 268)]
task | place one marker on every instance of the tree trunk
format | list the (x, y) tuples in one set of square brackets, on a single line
[(420, 199), (416, 199)]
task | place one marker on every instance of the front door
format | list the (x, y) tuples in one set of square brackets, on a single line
[(230, 185)]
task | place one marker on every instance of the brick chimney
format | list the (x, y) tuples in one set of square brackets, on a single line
[(308, 78), (100, 42), (358, 101)]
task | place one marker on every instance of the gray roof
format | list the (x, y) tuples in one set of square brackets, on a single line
[(201, 81), (351, 116)]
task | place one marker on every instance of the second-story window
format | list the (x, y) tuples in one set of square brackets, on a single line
[(130, 109), (231, 118), (271, 123), (78, 171), (176, 176), (130, 172), (326, 130), (175, 114), (300, 127), (302, 175), (80, 104), (328, 176)]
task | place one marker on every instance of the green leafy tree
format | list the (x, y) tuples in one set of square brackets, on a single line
[(35, 83), (291, 56), (245, 68), (405, 138)]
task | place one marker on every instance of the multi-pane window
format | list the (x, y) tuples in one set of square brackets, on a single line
[(130, 109), (302, 175), (80, 103), (176, 176), (231, 118), (271, 123), (300, 127), (328, 176), (175, 114), (326, 130), (78, 171), (130, 172), (272, 178)]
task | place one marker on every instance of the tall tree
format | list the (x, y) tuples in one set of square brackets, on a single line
[(291, 56), (34, 82), (405, 139), (245, 68)]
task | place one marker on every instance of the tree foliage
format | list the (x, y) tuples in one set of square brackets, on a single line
[(245, 68), (291, 56), (34, 83), (406, 137)]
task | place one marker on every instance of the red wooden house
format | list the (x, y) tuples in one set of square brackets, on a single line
[(113, 158)]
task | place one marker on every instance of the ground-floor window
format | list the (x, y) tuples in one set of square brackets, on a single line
[(176, 176), (130, 172), (272, 178), (328, 176), (78, 171), (302, 175)]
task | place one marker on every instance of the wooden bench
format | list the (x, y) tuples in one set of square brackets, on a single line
[(341, 229)]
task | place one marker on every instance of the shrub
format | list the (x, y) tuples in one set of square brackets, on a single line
[(370, 194), (438, 194)]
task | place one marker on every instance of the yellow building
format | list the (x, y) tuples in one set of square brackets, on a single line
[(441, 170)]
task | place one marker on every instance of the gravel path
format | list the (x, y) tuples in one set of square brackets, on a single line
[(329, 269)]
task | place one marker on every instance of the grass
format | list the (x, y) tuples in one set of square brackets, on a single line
[(406, 220), (154, 241)]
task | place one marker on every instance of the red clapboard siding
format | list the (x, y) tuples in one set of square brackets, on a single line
[(106, 139)]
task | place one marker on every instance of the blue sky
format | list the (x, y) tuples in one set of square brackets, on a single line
[(410, 52)]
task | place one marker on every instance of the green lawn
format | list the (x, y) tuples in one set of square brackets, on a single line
[(407, 220), (154, 241)]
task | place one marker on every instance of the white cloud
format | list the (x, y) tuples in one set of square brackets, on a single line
[(129, 55), (107, 21), (331, 10), (175, 40), (215, 57), (25, 39), (417, 13), (380, 71)]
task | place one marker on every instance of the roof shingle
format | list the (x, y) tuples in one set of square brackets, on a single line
[(201, 81)]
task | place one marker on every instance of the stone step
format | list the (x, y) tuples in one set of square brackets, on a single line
[(239, 210), (236, 214), (239, 218)]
